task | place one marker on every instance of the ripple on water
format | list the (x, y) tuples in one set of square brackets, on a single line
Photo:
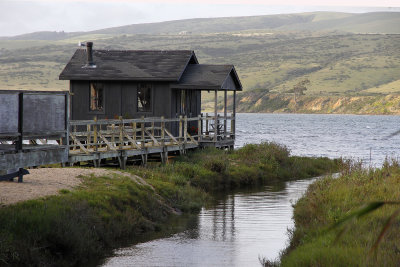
[(244, 226)]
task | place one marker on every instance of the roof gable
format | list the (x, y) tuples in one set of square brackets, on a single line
[(209, 77), (140, 65)]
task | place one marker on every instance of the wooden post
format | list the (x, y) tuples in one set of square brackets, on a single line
[(95, 133), (233, 123), (152, 132), (207, 133), (185, 128), (75, 146), (121, 133), (215, 115), (18, 145), (180, 129), (162, 131), (225, 112), (142, 142), (199, 128), (112, 134), (134, 135), (67, 126), (88, 141)]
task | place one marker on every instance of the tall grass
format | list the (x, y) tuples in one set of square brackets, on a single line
[(328, 201), (251, 165), (83, 224)]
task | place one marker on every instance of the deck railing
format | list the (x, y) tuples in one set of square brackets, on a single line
[(88, 136)]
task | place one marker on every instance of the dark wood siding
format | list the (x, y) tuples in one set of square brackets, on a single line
[(120, 100)]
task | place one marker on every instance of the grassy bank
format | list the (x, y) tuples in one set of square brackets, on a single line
[(83, 224), (328, 200)]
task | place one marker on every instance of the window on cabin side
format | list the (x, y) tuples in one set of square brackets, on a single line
[(96, 96), (144, 97)]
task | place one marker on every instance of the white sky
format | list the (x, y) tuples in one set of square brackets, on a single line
[(24, 16)]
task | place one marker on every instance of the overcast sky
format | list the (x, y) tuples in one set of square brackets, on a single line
[(24, 16)]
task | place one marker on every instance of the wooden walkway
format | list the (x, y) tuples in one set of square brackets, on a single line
[(121, 139)]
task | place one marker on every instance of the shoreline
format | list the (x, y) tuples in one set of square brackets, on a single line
[(82, 225)]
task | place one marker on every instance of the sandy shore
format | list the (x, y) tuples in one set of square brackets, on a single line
[(43, 182)]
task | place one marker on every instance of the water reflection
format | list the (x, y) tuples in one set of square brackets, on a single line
[(235, 232)]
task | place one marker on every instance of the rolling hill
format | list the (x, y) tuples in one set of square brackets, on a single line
[(341, 54)]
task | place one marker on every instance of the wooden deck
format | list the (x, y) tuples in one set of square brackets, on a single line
[(98, 140)]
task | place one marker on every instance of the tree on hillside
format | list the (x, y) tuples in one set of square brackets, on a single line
[(299, 88)]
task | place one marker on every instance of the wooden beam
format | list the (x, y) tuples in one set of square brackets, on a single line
[(225, 112), (171, 136), (111, 146), (82, 147), (153, 139), (215, 116), (233, 130)]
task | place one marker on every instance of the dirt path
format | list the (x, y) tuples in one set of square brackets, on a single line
[(44, 182)]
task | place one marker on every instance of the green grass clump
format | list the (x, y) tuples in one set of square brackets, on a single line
[(254, 164), (327, 201)]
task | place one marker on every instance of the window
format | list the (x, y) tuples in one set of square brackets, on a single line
[(144, 97), (96, 96)]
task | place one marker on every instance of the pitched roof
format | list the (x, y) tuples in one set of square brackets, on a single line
[(141, 65), (209, 77)]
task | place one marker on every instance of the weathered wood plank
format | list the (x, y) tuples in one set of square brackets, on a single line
[(8, 113)]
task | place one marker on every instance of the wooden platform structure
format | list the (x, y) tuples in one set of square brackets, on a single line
[(35, 130), (121, 139)]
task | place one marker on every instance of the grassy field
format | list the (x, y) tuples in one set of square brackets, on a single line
[(330, 199), (270, 59), (80, 226)]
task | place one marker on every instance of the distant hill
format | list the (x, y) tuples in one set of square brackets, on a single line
[(374, 22), (270, 53)]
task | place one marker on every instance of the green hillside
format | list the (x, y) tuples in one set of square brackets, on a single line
[(336, 63)]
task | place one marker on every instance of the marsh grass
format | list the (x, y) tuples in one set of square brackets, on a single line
[(357, 204), (80, 226)]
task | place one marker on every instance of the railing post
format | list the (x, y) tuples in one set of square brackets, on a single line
[(134, 134), (121, 133), (162, 131), (199, 128), (207, 133), (180, 129), (185, 130), (142, 130), (152, 132), (113, 134), (95, 133), (216, 126), (88, 141)]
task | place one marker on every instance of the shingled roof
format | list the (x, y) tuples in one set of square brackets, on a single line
[(140, 65), (209, 77)]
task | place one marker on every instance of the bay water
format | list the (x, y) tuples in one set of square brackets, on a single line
[(247, 225)]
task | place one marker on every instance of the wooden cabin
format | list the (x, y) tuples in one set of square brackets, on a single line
[(142, 83)]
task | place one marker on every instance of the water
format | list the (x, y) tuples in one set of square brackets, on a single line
[(360, 137), (245, 225)]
